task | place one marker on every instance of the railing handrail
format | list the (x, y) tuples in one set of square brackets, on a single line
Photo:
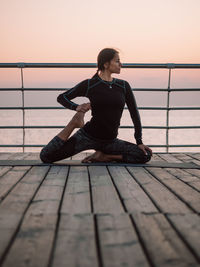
[(135, 89), (94, 65), (168, 66)]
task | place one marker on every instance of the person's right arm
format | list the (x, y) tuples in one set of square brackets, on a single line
[(79, 90)]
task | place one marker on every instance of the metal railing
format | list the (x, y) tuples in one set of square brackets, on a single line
[(168, 66)]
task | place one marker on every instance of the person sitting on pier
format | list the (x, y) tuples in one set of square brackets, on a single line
[(107, 96)]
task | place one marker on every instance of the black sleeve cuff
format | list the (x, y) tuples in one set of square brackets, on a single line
[(73, 107), (139, 141)]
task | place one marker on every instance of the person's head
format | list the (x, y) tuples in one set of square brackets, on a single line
[(108, 60)]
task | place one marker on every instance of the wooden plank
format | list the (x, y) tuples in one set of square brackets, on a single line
[(104, 196), (186, 177), (14, 205), (194, 156), (185, 192), (75, 245), (186, 158), (4, 155), (132, 195), (77, 193), (164, 199), (156, 158), (188, 225), (196, 185), (32, 156), (37, 231), (48, 197), (4, 169), (34, 242), (18, 156), (194, 172), (10, 179), (119, 242), (162, 243), (182, 175), (170, 158)]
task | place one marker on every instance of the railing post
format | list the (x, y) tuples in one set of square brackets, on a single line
[(23, 110), (167, 115)]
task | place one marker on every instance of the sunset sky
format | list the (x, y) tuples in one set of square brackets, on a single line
[(145, 31)]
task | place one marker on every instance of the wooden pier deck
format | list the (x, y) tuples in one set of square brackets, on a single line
[(90, 215)]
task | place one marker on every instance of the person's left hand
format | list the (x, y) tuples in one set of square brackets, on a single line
[(144, 148)]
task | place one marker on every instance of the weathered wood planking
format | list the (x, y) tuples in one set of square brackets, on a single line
[(188, 226), (162, 196), (119, 242), (98, 215), (169, 158), (76, 242), (13, 155), (33, 243), (3, 170), (48, 198), (194, 172), (104, 195), (132, 195), (37, 231), (162, 243), (15, 204), (194, 156), (156, 158), (186, 177), (10, 179), (186, 158), (32, 156), (4, 155), (77, 193), (188, 195), (18, 156)]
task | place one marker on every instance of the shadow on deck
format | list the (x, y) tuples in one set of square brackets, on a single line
[(99, 215)]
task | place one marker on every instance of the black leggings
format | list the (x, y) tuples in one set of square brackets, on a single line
[(57, 149)]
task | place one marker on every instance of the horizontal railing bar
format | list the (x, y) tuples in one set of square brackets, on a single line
[(94, 65), (174, 145), (163, 127), (148, 145), (122, 127), (170, 108), (133, 89), (142, 108)]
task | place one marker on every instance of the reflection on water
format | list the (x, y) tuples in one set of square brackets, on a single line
[(62, 117)]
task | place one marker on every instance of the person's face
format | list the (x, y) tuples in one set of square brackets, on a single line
[(114, 66)]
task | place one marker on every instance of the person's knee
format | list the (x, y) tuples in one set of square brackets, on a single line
[(44, 157), (137, 156), (147, 157), (57, 150)]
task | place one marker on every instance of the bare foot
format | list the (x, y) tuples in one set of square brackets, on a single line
[(97, 156), (78, 120)]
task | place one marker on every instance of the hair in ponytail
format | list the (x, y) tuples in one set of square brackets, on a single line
[(105, 55), (95, 75)]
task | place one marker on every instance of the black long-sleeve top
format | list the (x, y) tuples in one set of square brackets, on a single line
[(107, 101)]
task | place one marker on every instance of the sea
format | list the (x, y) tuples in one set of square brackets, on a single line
[(62, 117)]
